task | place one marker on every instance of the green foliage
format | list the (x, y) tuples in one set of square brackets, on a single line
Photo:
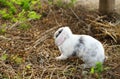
[(3, 2), (9, 9), (25, 4), (24, 26), (5, 14), (50, 2), (72, 2), (92, 71), (16, 59), (33, 15), (3, 29), (8, 4), (22, 14), (60, 3), (28, 66), (97, 69), (19, 11), (12, 8)]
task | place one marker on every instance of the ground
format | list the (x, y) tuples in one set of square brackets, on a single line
[(31, 53)]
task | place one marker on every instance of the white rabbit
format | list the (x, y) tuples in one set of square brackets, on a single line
[(89, 49)]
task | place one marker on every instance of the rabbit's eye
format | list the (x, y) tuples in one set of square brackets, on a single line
[(59, 33)]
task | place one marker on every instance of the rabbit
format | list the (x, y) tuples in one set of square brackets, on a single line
[(89, 49)]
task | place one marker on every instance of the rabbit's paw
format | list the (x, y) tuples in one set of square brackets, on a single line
[(83, 66), (62, 57)]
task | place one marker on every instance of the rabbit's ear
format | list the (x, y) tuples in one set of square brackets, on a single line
[(61, 35), (68, 30)]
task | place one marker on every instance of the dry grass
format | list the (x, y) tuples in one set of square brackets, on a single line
[(37, 49)]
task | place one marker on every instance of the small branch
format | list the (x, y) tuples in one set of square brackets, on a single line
[(45, 35), (75, 14), (15, 24), (4, 38), (52, 73), (98, 23), (54, 16), (43, 73), (78, 17), (18, 23)]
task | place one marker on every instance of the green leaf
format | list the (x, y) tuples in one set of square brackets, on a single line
[(18, 60), (14, 19), (5, 14), (12, 8), (3, 2), (99, 67), (92, 71), (24, 26), (59, 3), (33, 15), (2, 31), (21, 15), (4, 57), (28, 66), (25, 4)]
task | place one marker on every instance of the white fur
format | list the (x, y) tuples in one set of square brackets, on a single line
[(89, 49)]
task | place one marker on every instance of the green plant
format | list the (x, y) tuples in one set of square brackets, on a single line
[(5, 14), (28, 66), (12, 8), (3, 3), (33, 15), (98, 69), (24, 13), (50, 2), (9, 9), (60, 3), (22, 16), (25, 4), (24, 26), (3, 29), (16, 59), (4, 56), (72, 2), (9, 4)]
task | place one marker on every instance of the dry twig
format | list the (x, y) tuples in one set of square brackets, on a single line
[(4, 38), (98, 23), (45, 35)]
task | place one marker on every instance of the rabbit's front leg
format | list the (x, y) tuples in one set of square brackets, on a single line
[(61, 57)]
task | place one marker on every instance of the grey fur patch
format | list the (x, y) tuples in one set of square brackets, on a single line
[(93, 54), (78, 45), (74, 53), (81, 41)]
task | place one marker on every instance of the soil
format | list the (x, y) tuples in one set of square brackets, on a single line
[(37, 49)]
